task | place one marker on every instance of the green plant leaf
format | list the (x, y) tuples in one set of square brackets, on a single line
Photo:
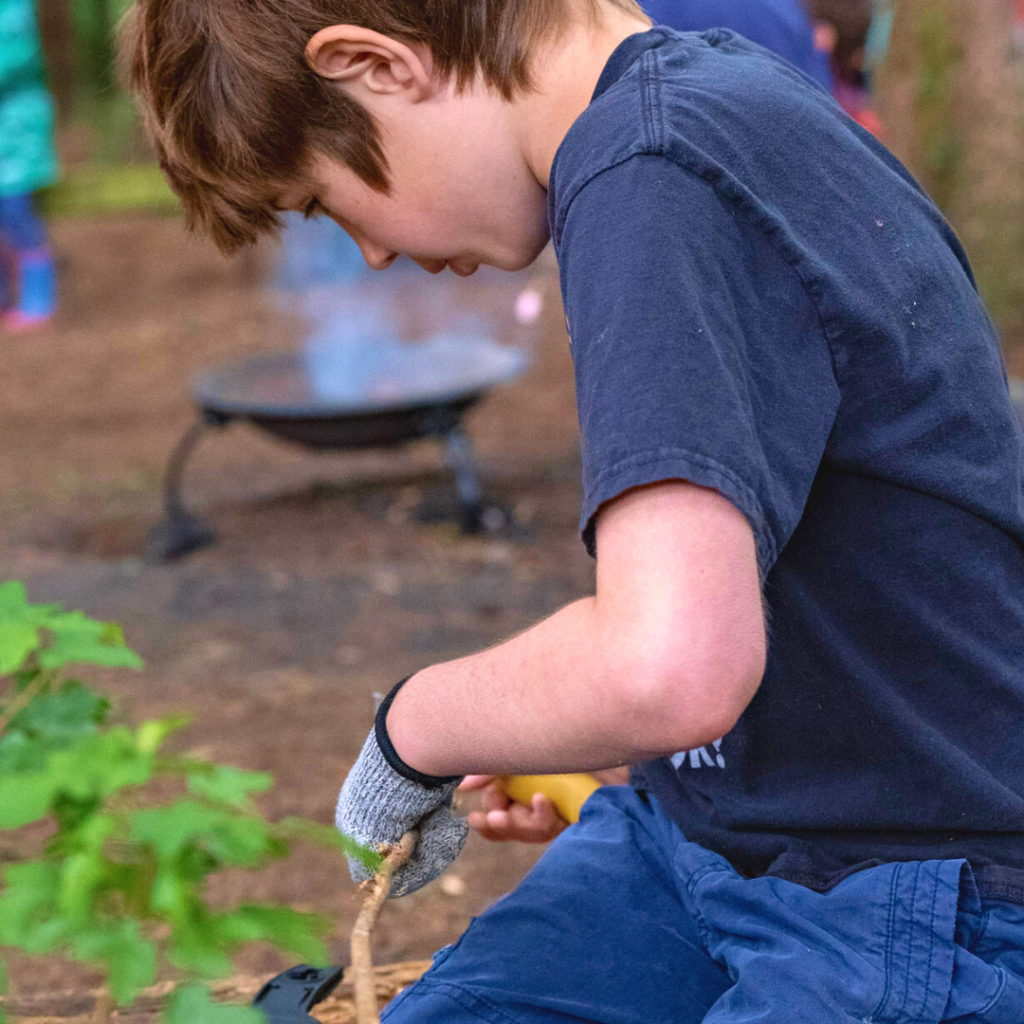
[(14, 605), (325, 835), (17, 641), (25, 798), (27, 902), (98, 765), (19, 753), (72, 710), (191, 1004), (299, 933), (92, 768), (130, 959), (231, 837), (79, 639), (110, 870), (13, 599), (171, 892), (150, 735), (194, 948), (170, 829), (227, 785), (81, 877), (85, 870)]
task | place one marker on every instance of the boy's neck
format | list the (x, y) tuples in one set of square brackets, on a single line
[(565, 76)]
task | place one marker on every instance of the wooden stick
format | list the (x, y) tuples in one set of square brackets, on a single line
[(103, 1007), (362, 962)]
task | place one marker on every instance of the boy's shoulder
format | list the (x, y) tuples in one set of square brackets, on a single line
[(705, 101)]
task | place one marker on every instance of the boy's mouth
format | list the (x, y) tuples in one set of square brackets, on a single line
[(463, 268)]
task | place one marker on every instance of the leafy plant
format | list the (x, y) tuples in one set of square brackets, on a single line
[(117, 837)]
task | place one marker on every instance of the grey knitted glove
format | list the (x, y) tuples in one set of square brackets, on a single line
[(383, 798)]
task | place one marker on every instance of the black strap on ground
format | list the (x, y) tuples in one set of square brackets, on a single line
[(288, 998)]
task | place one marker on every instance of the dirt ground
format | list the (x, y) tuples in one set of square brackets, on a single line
[(324, 586)]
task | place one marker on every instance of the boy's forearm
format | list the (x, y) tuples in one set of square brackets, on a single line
[(564, 696), (665, 657)]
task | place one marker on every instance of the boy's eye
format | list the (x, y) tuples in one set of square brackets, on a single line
[(313, 208)]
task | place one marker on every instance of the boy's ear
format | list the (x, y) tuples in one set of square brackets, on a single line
[(362, 58)]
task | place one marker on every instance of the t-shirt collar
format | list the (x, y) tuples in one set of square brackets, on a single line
[(627, 53)]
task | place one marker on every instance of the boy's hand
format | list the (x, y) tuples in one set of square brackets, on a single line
[(378, 806), (503, 820)]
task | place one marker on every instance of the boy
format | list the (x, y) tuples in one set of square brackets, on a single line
[(792, 406)]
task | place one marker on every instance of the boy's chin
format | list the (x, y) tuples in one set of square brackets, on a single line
[(519, 260)]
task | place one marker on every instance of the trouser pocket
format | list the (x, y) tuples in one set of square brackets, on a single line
[(988, 974), (879, 947)]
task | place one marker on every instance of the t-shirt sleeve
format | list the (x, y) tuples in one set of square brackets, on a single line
[(698, 352)]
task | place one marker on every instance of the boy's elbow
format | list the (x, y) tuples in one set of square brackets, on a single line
[(688, 698), (724, 698)]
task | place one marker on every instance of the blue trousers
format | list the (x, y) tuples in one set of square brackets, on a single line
[(20, 225), (623, 921)]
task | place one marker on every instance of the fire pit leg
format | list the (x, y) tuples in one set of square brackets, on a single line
[(180, 533), (459, 456), (475, 515)]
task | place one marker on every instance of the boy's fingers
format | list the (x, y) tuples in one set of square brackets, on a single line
[(472, 782), (538, 823), (545, 813), (479, 822), (494, 798)]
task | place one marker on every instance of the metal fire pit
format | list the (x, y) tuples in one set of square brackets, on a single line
[(324, 399)]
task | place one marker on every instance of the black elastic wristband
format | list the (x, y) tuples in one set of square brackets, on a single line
[(380, 727)]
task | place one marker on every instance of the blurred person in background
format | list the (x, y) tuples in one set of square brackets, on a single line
[(27, 163), (781, 26), (841, 30)]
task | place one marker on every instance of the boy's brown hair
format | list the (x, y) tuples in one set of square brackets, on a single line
[(234, 110)]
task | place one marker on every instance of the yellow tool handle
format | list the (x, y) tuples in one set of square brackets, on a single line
[(567, 792)]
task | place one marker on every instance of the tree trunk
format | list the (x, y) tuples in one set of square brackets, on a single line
[(951, 96), (56, 34)]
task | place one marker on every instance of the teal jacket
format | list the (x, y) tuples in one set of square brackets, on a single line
[(27, 157)]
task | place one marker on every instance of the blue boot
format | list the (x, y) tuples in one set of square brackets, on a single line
[(28, 281), (34, 290)]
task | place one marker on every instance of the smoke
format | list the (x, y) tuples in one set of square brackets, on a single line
[(378, 340)]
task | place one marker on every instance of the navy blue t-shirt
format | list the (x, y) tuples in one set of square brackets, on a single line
[(781, 26), (760, 300)]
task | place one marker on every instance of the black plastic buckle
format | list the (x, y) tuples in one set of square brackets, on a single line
[(288, 998)]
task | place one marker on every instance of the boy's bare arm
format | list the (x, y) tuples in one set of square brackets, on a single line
[(665, 657)]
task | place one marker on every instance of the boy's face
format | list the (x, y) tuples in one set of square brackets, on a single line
[(442, 210), (461, 192)]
